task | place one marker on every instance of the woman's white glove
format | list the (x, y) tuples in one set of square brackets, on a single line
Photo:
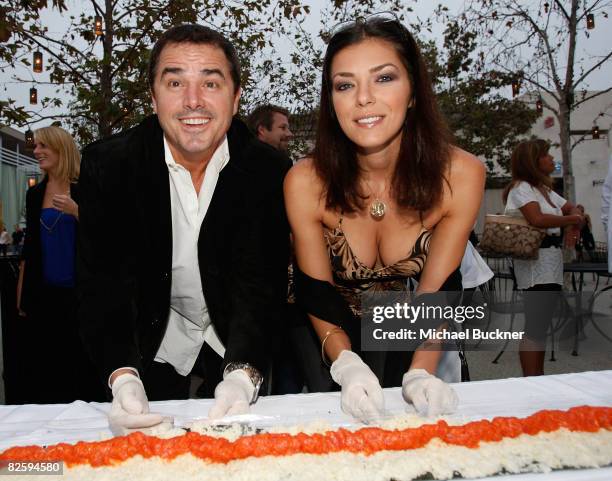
[(130, 407), (429, 395), (361, 396), (232, 395)]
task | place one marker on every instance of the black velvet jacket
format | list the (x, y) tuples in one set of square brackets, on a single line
[(124, 255)]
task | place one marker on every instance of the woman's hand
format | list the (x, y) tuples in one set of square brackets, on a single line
[(361, 396), (579, 220), (429, 395), (64, 203)]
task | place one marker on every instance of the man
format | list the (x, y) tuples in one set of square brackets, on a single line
[(271, 125), (202, 276)]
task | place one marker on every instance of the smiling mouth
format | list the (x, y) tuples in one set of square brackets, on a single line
[(195, 121), (369, 121)]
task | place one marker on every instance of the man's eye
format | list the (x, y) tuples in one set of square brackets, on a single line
[(174, 83), (211, 85)]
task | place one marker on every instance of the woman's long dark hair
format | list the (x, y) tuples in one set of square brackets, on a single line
[(524, 165), (425, 143)]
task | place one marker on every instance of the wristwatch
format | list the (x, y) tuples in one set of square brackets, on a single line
[(254, 375)]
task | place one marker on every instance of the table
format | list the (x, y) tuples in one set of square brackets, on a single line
[(48, 424), (600, 269)]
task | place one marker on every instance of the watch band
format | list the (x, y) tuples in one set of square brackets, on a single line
[(253, 373)]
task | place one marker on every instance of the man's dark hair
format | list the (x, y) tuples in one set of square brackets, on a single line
[(264, 115), (199, 35)]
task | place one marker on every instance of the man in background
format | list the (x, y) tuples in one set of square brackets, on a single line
[(270, 123)]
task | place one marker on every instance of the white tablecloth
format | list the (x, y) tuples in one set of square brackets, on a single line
[(49, 424)]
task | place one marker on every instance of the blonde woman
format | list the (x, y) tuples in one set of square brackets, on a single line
[(45, 290)]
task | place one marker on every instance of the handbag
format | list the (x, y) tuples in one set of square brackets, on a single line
[(511, 236)]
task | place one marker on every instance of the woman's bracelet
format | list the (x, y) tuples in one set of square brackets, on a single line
[(329, 333)]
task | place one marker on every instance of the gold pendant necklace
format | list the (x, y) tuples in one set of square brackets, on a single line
[(377, 209)]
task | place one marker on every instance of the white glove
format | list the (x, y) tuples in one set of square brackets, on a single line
[(232, 395), (429, 395), (361, 395), (130, 407)]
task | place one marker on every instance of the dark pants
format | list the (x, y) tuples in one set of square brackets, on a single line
[(162, 382), (62, 371), (541, 302), (302, 352)]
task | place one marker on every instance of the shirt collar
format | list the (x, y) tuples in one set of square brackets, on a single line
[(219, 159)]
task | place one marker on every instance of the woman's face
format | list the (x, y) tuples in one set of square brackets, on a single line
[(371, 93), (546, 164), (48, 158)]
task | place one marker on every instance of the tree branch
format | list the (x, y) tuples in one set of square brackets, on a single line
[(139, 39), (588, 72), (62, 61), (590, 97), (562, 9)]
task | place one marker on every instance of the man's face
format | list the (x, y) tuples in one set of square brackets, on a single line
[(194, 98), (279, 135)]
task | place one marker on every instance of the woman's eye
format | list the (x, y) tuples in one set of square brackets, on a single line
[(385, 78), (342, 86)]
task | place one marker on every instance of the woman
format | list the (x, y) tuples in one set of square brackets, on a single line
[(45, 291), (530, 194), (384, 197)]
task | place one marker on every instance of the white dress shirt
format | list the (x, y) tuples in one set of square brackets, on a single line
[(189, 324)]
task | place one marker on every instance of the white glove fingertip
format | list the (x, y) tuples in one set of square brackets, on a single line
[(219, 409), (419, 401), (377, 398), (453, 401), (368, 411), (240, 407)]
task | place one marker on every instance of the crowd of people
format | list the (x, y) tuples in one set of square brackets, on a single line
[(11, 244), (234, 258)]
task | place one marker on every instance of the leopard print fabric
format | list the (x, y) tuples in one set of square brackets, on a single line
[(352, 278)]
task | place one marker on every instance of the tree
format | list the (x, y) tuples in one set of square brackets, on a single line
[(539, 43), (484, 122), (100, 78)]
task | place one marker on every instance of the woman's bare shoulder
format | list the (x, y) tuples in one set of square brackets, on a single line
[(464, 165), (303, 180)]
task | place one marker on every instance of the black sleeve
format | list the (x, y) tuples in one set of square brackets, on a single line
[(259, 276), (321, 299), (30, 225), (105, 291)]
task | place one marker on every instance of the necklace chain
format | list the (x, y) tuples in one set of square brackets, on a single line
[(50, 229)]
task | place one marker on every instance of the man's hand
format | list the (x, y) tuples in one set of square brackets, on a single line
[(232, 395), (361, 395), (429, 395), (130, 407)]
